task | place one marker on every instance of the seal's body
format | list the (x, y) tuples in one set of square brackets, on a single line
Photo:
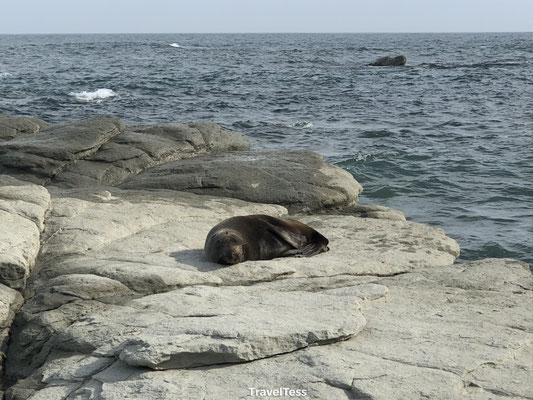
[(261, 237)]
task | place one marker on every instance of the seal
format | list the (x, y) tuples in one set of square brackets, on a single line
[(261, 237)]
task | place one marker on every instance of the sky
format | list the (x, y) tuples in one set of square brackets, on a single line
[(235, 16)]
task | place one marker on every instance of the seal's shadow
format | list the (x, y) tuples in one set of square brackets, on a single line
[(197, 259)]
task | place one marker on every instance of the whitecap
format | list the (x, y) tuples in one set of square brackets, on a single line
[(301, 125), (97, 95), (174, 45), (5, 74)]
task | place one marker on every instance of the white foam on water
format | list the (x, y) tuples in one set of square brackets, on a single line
[(4, 74), (301, 125), (97, 95), (174, 45)]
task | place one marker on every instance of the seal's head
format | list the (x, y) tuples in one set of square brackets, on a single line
[(226, 247)]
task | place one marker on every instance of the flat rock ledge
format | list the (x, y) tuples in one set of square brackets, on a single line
[(298, 180), (454, 332)]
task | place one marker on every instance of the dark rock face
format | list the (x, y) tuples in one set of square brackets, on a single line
[(41, 157), (101, 151), (141, 147), (11, 127), (389, 61), (298, 180)]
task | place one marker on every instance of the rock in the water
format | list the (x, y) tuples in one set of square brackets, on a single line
[(22, 210), (140, 147), (39, 158), (389, 61), (298, 180), (11, 127)]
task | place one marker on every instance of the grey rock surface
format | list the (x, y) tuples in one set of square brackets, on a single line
[(375, 211), (206, 326), (11, 126), (39, 158), (140, 147), (10, 302), (298, 180), (389, 61), (106, 247), (434, 334), (122, 302), (22, 211), (161, 248)]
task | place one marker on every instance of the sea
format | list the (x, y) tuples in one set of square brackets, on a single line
[(448, 138)]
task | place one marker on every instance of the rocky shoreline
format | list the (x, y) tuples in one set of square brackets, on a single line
[(105, 292)]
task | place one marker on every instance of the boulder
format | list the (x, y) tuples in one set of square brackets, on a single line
[(39, 158), (11, 126), (140, 147), (298, 180), (389, 61), (22, 210)]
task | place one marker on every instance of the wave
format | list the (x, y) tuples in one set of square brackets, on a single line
[(97, 95), (301, 125), (5, 74), (482, 65), (174, 45)]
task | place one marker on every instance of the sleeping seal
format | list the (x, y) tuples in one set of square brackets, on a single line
[(261, 237)]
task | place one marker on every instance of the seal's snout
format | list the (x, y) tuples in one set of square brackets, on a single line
[(233, 255)]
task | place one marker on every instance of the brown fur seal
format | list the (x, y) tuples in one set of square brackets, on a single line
[(261, 237)]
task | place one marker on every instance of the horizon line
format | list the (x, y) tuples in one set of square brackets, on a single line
[(251, 33)]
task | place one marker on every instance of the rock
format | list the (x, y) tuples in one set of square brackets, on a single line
[(388, 61), (375, 211), (10, 303), (38, 158), (140, 147), (22, 209), (298, 180), (100, 248), (124, 304), (11, 127), (207, 326), (455, 332), (162, 247)]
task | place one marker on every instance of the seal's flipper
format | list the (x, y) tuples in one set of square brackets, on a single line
[(294, 239), (308, 250)]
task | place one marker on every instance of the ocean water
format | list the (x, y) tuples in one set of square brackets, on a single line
[(448, 138)]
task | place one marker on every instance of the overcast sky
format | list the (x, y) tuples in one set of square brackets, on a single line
[(197, 16)]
